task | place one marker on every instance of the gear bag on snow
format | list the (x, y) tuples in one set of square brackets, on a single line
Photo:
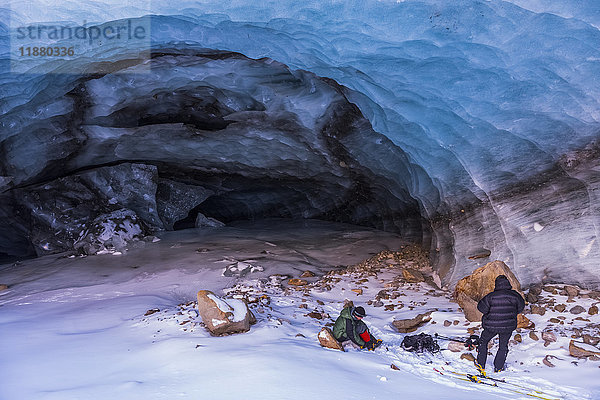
[(420, 343)]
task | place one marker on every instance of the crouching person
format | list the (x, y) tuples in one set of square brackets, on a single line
[(349, 329)]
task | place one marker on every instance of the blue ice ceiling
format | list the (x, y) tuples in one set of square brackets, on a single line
[(475, 129)]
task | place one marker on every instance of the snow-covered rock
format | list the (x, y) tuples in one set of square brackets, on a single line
[(223, 317), (326, 339), (583, 350), (111, 232)]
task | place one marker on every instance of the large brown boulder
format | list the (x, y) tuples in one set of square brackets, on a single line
[(223, 317), (470, 289)]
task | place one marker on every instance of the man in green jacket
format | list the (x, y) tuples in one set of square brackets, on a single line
[(349, 328)]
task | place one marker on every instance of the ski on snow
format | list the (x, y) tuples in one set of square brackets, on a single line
[(503, 381), (499, 383)]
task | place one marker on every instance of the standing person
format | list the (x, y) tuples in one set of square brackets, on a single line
[(499, 309), (350, 329)]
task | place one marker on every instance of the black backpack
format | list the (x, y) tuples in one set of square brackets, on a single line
[(420, 343)]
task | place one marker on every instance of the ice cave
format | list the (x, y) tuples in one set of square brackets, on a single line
[(194, 192), (470, 127)]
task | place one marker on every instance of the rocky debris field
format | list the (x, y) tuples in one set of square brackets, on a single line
[(560, 328)]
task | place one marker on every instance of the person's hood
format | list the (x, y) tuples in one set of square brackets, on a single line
[(346, 313), (502, 283)]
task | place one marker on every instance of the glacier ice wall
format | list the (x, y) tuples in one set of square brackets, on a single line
[(481, 127)]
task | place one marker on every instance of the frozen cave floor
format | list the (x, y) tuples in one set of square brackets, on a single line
[(97, 326)]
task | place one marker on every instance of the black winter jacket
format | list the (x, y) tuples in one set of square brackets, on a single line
[(500, 307)]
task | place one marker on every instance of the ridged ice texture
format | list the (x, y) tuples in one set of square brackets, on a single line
[(495, 106), (201, 134)]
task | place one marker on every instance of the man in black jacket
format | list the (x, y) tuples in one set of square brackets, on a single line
[(499, 309)]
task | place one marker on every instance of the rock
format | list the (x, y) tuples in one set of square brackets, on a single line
[(594, 294), (202, 221), (383, 294), (469, 307), (175, 200), (572, 291), (467, 356), (482, 253), (524, 323), (547, 362), (518, 338), (577, 310), (582, 350), (326, 339), (357, 291), (470, 289), (549, 289), (560, 307), (151, 311), (539, 310), (447, 323), (297, 282), (64, 209), (455, 346), (240, 269), (316, 315), (411, 275), (589, 339), (548, 337), (223, 317), (532, 298), (554, 320), (111, 232), (536, 289), (393, 366), (411, 325), (533, 336), (3, 287), (592, 311), (307, 274)]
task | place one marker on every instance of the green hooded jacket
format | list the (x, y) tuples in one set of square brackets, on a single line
[(345, 324)]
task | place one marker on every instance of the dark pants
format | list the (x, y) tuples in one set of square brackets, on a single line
[(485, 338)]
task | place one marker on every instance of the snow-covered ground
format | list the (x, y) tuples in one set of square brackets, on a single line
[(125, 327)]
